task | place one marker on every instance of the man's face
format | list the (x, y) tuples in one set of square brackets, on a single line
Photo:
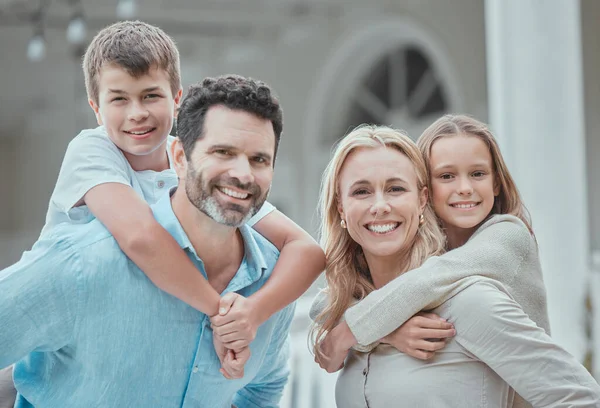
[(230, 170)]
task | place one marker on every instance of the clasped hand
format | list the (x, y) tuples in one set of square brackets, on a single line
[(234, 328)]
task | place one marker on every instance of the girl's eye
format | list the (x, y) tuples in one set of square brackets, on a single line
[(446, 176), (478, 173)]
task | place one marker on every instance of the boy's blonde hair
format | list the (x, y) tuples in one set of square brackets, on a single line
[(509, 200), (134, 46), (347, 274)]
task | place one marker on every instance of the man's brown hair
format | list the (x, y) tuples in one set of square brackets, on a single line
[(134, 46)]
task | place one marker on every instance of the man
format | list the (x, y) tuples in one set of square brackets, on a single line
[(88, 328)]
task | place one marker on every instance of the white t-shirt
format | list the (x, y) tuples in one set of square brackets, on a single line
[(92, 159)]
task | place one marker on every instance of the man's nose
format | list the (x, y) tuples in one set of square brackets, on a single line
[(242, 170)]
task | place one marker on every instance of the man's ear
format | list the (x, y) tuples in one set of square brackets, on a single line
[(96, 109), (177, 101), (179, 160)]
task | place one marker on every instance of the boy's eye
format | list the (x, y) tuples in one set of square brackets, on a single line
[(151, 96), (118, 98)]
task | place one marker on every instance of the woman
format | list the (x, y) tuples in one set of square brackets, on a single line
[(373, 191)]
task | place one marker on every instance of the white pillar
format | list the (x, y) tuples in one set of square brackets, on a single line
[(535, 92)]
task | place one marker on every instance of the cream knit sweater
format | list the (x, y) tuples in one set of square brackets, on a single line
[(502, 249)]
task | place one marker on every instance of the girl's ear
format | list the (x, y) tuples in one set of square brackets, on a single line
[(496, 187)]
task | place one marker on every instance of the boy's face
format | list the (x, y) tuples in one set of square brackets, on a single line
[(136, 112)]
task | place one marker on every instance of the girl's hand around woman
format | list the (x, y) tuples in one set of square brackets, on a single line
[(421, 336)]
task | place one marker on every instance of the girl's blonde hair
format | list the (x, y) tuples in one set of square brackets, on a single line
[(508, 200), (347, 273)]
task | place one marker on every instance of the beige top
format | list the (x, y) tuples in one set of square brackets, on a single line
[(496, 347), (501, 250)]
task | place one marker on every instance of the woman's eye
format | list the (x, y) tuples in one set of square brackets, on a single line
[(397, 189), (362, 191)]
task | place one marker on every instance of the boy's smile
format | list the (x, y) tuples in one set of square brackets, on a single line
[(137, 113)]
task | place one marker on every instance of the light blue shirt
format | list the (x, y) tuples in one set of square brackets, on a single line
[(87, 328), (92, 159)]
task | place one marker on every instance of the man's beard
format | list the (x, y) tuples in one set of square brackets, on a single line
[(199, 192)]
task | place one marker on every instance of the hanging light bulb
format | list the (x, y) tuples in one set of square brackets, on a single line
[(76, 30), (36, 49), (126, 9)]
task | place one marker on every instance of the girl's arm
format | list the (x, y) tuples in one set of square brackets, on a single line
[(494, 328), (495, 252), (300, 262), (130, 220)]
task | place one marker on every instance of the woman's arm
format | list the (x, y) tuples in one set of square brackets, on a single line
[(496, 252), (130, 220), (494, 328)]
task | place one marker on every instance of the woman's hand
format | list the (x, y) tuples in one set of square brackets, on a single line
[(421, 336), (335, 348)]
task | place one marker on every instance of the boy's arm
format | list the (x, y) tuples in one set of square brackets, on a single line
[(300, 262), (39, 303), (130, 220)]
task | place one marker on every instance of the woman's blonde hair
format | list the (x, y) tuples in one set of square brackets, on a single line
[(508, 200), (347, 274)]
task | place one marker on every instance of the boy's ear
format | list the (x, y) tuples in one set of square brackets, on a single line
[(179, 159), (95, 108), (177, 101)]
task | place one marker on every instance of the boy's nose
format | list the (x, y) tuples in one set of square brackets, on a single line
[(137, 113)]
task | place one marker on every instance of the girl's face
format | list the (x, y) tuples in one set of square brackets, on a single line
[(380, 201), (463, 183)]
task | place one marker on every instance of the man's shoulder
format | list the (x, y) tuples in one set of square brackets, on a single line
[(260, 244)]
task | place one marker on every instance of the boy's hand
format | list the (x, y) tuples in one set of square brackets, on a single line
[(232, 363), (421, 336), (237, 322)]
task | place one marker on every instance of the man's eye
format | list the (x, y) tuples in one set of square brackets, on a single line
[(223, 152)]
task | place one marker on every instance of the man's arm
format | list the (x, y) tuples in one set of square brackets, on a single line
[(496, 253), (39, 302), (494, 328), (266, 389)]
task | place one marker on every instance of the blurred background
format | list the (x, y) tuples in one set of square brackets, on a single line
[(531, 68)]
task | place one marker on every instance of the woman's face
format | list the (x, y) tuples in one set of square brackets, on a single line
[(379, 200), (462, 182)]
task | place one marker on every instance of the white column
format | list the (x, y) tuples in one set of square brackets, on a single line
[(536, 110)]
